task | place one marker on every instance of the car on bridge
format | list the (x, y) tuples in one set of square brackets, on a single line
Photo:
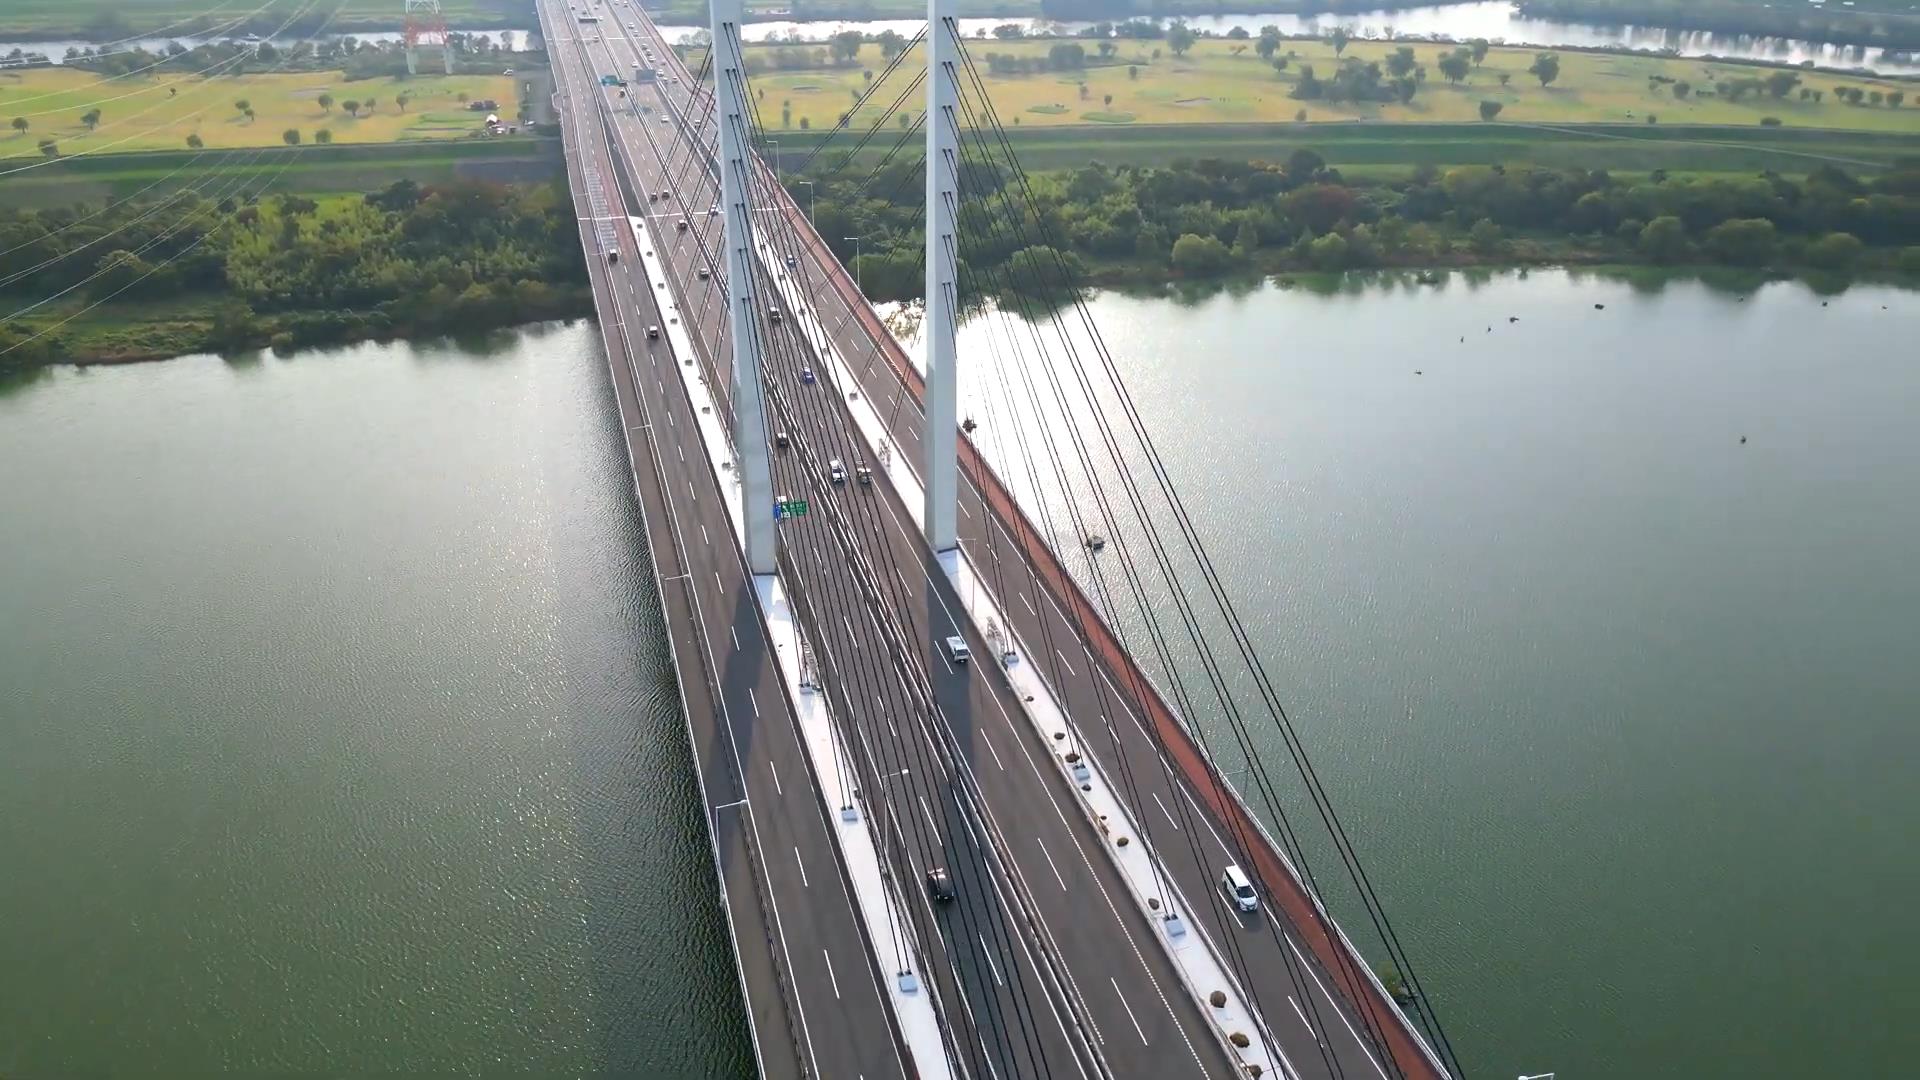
[(806, 375), (863, 474), (940, 885), (653, 333), (703, 273), (837, 471), (782, 440)]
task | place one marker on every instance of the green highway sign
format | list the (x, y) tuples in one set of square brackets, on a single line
[(790, 508)]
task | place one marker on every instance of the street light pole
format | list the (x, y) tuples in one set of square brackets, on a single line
[(811, 193), (775, 143), (855, 241)]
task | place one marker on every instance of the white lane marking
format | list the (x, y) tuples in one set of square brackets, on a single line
[(930, 821), (991, 750), (1342, 1013), (1063, 663), (1303, 1018), (683, 454), (851, 636), (830, 976), (776, 777), (803, 868), (1029, 603), (1129, 1008), (692, 494), (1050, 864), (735, 635), (703, 536), (988, 953), (754, 701), (1163, 809), (718, 584)]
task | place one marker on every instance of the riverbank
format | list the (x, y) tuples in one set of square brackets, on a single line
[(194, 271)]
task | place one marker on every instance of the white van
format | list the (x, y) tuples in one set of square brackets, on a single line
[(1233, 882), (957, 650)]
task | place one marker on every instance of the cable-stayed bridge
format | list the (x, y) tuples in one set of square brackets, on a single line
[(977, 725)]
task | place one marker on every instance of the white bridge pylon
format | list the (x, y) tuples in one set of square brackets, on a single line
[(743, 328), (942, 285)]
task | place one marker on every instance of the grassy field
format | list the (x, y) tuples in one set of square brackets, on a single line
[(1393, 150), (1210, 85), (312, 169), (64, 17), (141, 113)]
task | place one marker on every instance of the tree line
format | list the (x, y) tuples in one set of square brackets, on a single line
[(1204, 217), (290, 270)]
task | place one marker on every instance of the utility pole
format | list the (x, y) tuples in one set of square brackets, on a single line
[(943, 293), (743, 325)]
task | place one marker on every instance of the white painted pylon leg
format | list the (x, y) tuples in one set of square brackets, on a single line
[(736, 242), (943, 290)]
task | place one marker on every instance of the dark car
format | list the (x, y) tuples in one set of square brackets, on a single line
[(939, 885)]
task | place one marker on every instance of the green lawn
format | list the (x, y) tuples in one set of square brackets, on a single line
[(1212, 85), (147, 113), (1386, 149), (312, 169)]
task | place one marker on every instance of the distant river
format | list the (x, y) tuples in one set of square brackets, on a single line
[(336, 731), (1495, 20)]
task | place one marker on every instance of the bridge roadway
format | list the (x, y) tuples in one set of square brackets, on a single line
[(1191, 838), (989, 969), (813, 993)]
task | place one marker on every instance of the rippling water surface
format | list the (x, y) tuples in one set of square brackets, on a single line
[(336, 730)]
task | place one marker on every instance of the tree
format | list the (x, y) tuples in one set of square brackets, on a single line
[(892, 44), (1133, 72), (1741, 241), (1329, 252), (1400, 62), (1455, 65), (1246, 240), (49, 148), (326, 102), (1877, 97), (866, 77), (243, 106), (249, 114), (195, 142), (1269, 42), (91, 118), (1486, 237), (1200, 254), (1895, 98), (1546, 68), (21, 124), (1781, 83), (1681, 89), (352, 107), (1490, 109), (1180, 38), (1239, 33), (1835, 251), (1664, 240), (1478, 49), (1303, 165), (1107, 101), (323, 136), (1338, 38), (461, 97), (369, 104), (845, 46), (1505, 77), (291, 136), (1107, 49), (402, 100)]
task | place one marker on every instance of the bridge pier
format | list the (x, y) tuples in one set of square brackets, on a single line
[(943, 294), (743, 324)]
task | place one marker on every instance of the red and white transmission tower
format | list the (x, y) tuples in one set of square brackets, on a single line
[(427, 27)]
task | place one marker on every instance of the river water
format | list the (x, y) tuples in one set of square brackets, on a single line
[(338, 732), (1495, 20)]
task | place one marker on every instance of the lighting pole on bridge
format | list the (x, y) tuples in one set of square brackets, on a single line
[(855, 241), (775, 143), (811, 193)]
